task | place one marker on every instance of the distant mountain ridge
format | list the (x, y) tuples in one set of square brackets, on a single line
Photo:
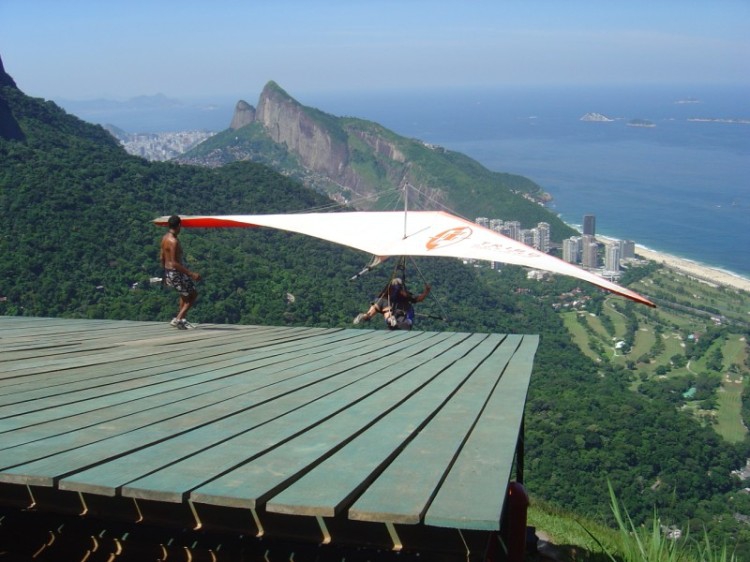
[(360, 163)]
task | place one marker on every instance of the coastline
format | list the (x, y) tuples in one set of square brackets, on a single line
[(702, 272), (694, 269)]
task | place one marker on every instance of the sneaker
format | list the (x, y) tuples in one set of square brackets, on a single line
[(177, 324), (185, 325), (360, 317)]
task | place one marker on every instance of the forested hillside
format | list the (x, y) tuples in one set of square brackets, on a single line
[(76, 241)]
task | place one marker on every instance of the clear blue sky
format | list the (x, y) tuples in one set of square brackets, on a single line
[(78, 50)]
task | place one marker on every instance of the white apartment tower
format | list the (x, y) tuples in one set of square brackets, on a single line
[(496, 225), (512, 230), (572, 249), (612, 257), (541, 237)]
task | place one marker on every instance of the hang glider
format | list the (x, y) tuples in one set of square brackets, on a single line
[(416, 233)]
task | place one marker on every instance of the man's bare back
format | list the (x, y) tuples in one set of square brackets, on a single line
[(171, 253), (176, 275)]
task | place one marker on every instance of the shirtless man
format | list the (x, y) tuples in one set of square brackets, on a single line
[(176, 275)]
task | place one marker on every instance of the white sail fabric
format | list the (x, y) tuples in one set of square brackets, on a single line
[(416, 233)]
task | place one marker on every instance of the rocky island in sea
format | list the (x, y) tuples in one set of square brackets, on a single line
[(641, 123), (596, 118)]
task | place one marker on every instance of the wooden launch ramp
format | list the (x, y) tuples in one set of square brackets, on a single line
[(338, 438)]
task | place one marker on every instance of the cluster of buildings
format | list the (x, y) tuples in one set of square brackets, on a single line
[(537, 238), (587, 251), (584, 250), (160, 146)]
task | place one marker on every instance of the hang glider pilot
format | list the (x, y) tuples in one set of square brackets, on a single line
[(395, 303)]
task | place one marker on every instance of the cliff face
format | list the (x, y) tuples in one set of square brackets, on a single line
[(289, 123), (244, 114)]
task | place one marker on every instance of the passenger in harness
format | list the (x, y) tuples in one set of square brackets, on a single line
[(395, 303)]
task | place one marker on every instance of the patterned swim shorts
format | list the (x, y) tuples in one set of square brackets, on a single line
[(180, 282)]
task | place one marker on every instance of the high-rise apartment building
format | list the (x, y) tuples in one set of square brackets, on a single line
[(496, 225), (541, 236), (572, 249), (513, 229), (627, 249), (612, 257), (589, 252), (589, 225)]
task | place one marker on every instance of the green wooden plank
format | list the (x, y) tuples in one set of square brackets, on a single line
[(253, 481), (77, 453), (162, 484), (143, 334), (41, 385), (328, 487), (355, 380), (161, 382), (474, 491), (214, 386), (42, 379), (189, 453), (67, 344), (402, 492), (149, 347), (52, 384), (43, 331)]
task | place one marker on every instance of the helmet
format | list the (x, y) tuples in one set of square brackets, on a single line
[(397, 281)]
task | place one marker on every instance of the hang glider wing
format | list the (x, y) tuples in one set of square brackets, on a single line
[(416, 233)]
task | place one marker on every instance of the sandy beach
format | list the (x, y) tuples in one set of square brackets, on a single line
[(702, 272), (697, 270)]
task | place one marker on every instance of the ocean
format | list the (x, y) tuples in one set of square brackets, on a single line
[(680, 186)]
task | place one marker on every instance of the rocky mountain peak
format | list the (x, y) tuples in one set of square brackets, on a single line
[(244, 114), (305, 132)]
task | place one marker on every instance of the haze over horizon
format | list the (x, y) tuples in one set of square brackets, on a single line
[(79, 50)]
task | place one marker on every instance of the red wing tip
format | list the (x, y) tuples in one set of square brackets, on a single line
[(205, 222), (644, 300), (638, 298)]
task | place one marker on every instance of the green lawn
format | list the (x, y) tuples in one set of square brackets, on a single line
[(597, 343), (579, 334), (729, 417), (729, 420)]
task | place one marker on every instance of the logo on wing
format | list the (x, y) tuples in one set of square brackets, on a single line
[(449, 237)]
